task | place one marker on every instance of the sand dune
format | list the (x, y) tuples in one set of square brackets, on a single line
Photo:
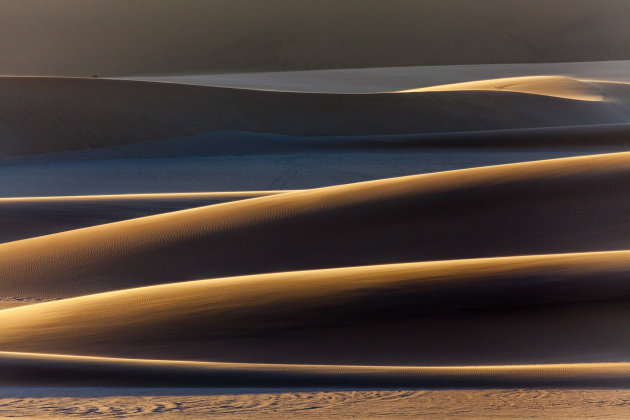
[(84, 37), (512, 310), (25, 217), (547, 141), (393, 79), (42, 369), (556, 86), (556, 206), (43, 115)]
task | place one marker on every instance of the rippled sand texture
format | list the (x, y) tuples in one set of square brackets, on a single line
[(229, 404)]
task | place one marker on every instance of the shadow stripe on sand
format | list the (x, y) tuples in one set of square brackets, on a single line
[(45, 369)]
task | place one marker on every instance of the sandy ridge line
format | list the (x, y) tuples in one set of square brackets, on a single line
[(613, 260), (288, 194), (568, 87), (141, 196), (32, 369)]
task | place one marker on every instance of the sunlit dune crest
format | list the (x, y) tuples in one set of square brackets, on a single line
[(406, 219), (60, 114), (555, 86), (33, 369), (26, 217), (511, 310)]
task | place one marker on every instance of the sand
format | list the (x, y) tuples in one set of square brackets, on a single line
[(512, 310), (86, 37), (27, 217), (44, 115), (504, 210), (392, 79), (437, 201), (320, 404), (36, 369)]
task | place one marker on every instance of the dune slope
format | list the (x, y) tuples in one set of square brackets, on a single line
[(556, 86), (25, 217), (512, 310), (556, 206), (43, 369), (42, 115)]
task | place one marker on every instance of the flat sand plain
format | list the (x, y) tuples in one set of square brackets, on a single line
[(312, 404)]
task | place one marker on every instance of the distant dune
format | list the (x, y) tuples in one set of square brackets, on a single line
[(555, 86), (512, 310), (556, 206), (25, 217), (85, 37), (391, 79), (43, 115)]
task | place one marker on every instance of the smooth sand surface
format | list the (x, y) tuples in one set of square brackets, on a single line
[(556, 206), (85, 37), (555, 86), (512, 310), (43, 115), (392, 79), (25, 217), (233, 144), (316, 404), (59, 174)]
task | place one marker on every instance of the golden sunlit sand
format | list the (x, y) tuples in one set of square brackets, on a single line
[(25, 368), (559, 87), (504, 210), (512, 310), (26, 217)]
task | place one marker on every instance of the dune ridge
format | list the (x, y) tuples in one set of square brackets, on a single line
[(26, 217), (510, 310), (555, 86), (416, 218), (106, 113), (39, 369), (392, 79)]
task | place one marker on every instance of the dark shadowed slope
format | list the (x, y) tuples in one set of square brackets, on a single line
[(26, 217), (42, 115), (26, 369), (564, 205), (512, 310)]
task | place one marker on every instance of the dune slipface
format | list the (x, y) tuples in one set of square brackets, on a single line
[(556, 206)]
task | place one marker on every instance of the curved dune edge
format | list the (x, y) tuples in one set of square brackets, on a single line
[(149, 196), (28, 217), (554, 86), (215, 241), (47, 369), (533, 308)]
